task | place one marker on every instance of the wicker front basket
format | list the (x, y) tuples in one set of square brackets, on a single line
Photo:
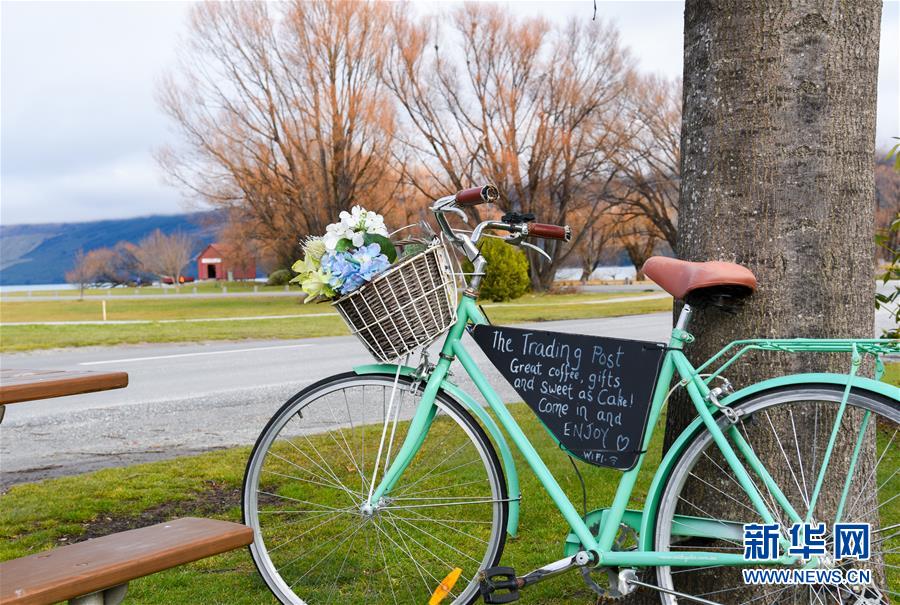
[(404, 308)]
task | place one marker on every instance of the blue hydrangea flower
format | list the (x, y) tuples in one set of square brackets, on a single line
[(371, 261), (338, 265), (350, 270)]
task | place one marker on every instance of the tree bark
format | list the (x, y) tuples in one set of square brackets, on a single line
[(778, 141)]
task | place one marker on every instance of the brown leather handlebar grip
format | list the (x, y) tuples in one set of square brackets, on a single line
[(477, 195), (562, 233)]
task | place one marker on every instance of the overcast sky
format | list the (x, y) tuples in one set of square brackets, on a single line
[(78, 120)]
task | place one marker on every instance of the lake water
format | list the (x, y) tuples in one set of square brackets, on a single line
[(609, 272), (38, 287), (567, 274)]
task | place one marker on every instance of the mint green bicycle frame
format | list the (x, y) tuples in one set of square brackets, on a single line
[(727, 440)]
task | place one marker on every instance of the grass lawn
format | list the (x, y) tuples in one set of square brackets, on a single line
[(39, 516), (892, 374), (532, 307), (35, 517), (204, 287)]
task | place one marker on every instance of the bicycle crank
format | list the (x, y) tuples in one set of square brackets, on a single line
[(501, 585)]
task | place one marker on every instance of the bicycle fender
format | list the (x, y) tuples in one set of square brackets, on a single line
[(654, 495), (859, 382), (456, 393)]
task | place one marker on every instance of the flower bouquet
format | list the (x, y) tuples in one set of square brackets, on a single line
[(394, 302), (352, 252)]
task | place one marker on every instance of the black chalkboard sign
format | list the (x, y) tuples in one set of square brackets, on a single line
[(592, 393)]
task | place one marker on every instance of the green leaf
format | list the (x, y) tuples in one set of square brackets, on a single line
[(895, 153), (413, 249), (386, 245), (343, 245)]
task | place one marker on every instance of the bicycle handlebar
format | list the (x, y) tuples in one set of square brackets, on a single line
[(474, 196), (518, 229), (558, 232)]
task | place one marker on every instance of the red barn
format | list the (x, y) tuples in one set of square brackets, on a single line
[(217, 261)]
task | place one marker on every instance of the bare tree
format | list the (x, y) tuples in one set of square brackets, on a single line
[(113, 266), (531, 108), (649, 164), (887, 210), (284, 117), (82, 273), (639, 237), (594, 246), (164, 255)]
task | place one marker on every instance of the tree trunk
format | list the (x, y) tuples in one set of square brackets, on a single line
[(778, 140)]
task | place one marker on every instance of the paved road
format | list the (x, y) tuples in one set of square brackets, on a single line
[(186, 398), (187, 292)]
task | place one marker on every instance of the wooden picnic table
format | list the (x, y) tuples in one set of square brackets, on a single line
[(97, 572), (17, 386)]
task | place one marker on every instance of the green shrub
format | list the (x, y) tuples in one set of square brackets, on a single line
[(507, 271), (279, 277)]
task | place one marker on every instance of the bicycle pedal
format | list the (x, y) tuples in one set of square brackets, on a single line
[(499, 585)]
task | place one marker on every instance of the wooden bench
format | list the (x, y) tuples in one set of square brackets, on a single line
[(97, 572), (17, 386)]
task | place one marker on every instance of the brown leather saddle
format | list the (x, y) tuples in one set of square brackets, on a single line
[(702, 284)]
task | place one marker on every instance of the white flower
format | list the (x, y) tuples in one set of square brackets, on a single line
[(353, 226), (334, 233), (375, 224)]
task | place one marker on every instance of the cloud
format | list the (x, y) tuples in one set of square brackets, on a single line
[(121, 188), (79, 120)]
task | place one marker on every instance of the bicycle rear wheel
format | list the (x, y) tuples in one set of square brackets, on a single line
[(310, 474), (787, 428)]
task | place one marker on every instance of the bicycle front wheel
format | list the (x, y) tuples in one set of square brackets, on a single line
[(308, 481), (789, 429)]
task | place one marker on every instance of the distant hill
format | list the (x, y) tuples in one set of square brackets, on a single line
[(41, 254)]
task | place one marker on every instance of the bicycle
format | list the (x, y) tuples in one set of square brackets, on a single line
[(341, 514)]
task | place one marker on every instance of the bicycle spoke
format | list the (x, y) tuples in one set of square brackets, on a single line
[(799, 459), (300, 535), (700, 484), (302, 480), (337, 481), (322, 506), (312, 479), (443, 488), (400, 534), (440, 462), (297, 466), (340, 570), (431, 553), (386, 569), (872, 473), (786, 460), (729, 496), (412, 558), (346, 447), (766, 494), (344, 534), (424, 518)]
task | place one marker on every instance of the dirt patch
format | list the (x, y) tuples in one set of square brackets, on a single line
[(214, 501)]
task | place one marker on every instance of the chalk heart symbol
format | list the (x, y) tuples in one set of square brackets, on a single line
[(622, 443)]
